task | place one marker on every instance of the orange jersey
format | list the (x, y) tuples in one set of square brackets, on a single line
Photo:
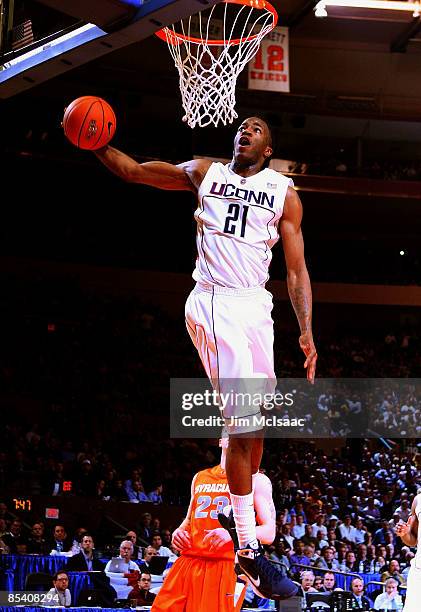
[(210, 496)]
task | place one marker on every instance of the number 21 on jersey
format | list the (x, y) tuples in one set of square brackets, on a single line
[(232, 221)]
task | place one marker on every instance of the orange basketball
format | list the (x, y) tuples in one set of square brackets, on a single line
[(89, 122)]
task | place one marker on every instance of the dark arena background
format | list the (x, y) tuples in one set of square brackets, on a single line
[(94, 273)]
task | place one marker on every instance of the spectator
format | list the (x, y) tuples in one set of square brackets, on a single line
[(162, 551), (298, 529), (119, 580), (393, 571), (327, 560), (144, 530), (85, 561), (347, 531), (137, 493), (350, 565), (76, 544), (318, 584), (390, 599), (308, 537), (37, 544), (60, 542), (60, 590), (155, 495), (306, 580), (141, 592), (14, 536), (299, 556), (137, 552), (329, 582), (357, 588), (360, 532), (319, 525)]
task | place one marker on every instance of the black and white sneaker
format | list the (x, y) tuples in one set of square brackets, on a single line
[(228, 523), (265, 578)]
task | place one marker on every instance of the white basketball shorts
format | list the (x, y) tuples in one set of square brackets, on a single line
[(232, 330), (413, 591)]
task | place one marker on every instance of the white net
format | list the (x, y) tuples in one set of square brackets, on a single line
[(208, 65)]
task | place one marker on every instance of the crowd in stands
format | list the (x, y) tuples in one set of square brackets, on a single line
[(84, 381), (378, 169)]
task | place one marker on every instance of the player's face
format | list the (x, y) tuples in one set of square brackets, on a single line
[(251, 142)]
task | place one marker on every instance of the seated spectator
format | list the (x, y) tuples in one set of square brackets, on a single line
[(76, 544), (310, 553), (350, 565), (393, 571), (306, 580), (327, 559), (329, 582), (319, 525), (299, 556), (287, 536), (278, 553), (148, 553), (14, 536), (357, 589), (135, 476), (60, 543), (85, 561), (129, 569), (363, 562), (360, 532), (347, 531), (4, 549), (144, 529), (166, 536), (321, 542), (141, 592), (308, 536), (162, 551), (298, 529), (318, 584), (137, 493), (381, 533), (155, 495), (390, 599), (37, 544), (137, 551), (61, 590)]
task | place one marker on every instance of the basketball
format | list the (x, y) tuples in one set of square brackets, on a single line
[(89, 123)]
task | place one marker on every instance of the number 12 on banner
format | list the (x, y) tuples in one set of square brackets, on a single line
[(269, 70)]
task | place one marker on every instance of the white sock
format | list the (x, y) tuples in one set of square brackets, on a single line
[(245, 521)]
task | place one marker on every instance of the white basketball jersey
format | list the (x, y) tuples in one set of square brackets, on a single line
[(418, 515), (237, 225)]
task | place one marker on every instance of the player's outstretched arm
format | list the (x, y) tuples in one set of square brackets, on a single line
[(186, 176), (181, 538), (298, 280), (408, 532)]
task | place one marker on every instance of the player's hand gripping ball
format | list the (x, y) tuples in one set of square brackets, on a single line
[(89, 123)]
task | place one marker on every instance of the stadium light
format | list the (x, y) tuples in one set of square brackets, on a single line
[(389, 5)]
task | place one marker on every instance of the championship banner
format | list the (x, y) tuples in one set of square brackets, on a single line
[(269, 70)]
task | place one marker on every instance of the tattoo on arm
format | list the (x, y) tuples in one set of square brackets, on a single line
[(302, 306)]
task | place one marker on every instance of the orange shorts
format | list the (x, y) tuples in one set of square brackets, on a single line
[(198, 585)]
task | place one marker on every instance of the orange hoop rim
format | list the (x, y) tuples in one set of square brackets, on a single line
[(175, 39)]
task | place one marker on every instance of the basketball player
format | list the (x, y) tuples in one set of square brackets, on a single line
[(243, 208), (410, 534), (203, 578)]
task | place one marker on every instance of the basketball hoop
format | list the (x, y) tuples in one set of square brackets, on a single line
[(208, 65)]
